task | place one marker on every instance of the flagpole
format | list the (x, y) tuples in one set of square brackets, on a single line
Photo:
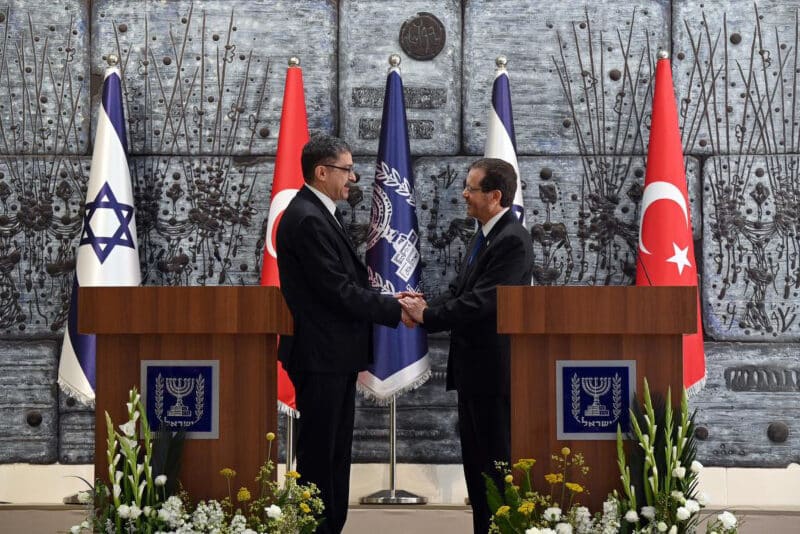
[(289, 442), (393, 495), (394, 155)]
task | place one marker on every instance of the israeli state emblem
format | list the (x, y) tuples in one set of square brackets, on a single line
[(593, 397), (182, 395)]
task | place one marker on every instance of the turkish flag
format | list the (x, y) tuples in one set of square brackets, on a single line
[(288, 179), (666, 250)]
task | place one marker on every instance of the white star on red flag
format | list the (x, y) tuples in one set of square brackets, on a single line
[(680, 258)]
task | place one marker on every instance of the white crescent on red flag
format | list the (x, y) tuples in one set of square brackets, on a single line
[(666, 248)]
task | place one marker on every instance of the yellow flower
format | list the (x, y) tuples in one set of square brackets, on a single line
[(292, 474), (503, 510), (574, 487), (554, 478), (227, 473), (270, 436), (305, 508), (509, 479), (243, 495), (524, 464), (565, 451), (306, 495), (526, 508)]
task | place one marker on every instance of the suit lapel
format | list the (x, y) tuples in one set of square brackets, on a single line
[(311, 197), (468, 270)]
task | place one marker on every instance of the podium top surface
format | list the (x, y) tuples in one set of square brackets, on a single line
[(183, 310), (599, 310)]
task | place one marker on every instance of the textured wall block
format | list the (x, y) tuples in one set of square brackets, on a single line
[(583, 215), (208, 78), (201, 220), (757, 384), (76, 437), (581, 77), (369, 32), (28, 403), (44, 96), (735, 69), (40, 220), (750, 242)]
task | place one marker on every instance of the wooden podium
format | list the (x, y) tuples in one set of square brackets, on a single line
[(235, 325), (547, 324)]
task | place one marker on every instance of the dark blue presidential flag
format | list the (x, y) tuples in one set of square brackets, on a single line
[(393, 257), (107, 254)]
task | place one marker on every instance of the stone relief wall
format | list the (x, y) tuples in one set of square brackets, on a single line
[(203, 88)]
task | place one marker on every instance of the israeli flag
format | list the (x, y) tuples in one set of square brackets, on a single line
[(393, 256), (501, 142), (107, 254)]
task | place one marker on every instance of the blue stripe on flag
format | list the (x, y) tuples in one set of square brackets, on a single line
[(84, 345), (501, 101), (112, 104)]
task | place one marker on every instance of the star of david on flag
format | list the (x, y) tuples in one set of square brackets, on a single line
[(123, 237), (501, 142), (393, 257), (107, 253)]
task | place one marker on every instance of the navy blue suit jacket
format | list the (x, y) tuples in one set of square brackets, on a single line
[(479, 359), (326, 287)]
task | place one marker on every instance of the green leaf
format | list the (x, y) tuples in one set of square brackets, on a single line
[(493, 497)]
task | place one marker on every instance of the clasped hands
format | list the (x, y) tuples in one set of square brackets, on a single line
[(412, 304)]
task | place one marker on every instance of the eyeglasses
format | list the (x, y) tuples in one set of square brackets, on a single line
[(468, 189), (348, 170)]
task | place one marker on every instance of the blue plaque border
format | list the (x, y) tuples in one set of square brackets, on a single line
[(213, 364), (560, 365)]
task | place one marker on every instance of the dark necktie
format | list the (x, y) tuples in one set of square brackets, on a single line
[(338, 215), (479, 241)]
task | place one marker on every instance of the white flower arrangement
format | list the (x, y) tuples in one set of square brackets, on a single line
[(136, 501), (664, 501)]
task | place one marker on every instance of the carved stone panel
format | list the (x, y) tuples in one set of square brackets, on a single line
[(28, 404), (208, 78), (735, 69), (750, 247), (581, 78), (201, 220), (41, 209), (368, 34), (747, 413), (44, 65)]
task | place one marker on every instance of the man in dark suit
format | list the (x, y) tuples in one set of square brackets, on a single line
[(326, 288), (500, 253)]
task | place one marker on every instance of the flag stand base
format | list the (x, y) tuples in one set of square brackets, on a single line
[(393, 497)]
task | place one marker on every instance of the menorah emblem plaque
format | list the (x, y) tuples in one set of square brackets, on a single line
[(596, 387), (593, 398), (179, 388), (182, 395)]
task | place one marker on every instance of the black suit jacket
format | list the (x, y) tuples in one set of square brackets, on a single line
[(479, 360), (326, 288)]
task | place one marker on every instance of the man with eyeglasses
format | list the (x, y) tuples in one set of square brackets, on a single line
[(478, 366), (324, 282)]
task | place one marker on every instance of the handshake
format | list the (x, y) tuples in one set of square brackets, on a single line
[(413, 305)]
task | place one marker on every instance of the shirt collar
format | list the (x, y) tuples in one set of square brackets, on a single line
[(326, 200), (486, 228)]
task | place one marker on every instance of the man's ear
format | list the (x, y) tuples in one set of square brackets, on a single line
[(320, 173)]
